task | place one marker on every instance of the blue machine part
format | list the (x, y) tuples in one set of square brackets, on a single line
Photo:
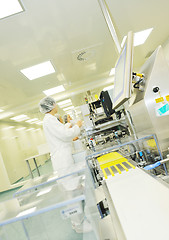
[(151, 166)]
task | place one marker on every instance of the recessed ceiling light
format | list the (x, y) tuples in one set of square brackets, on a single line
[(108, 88), (39, 122), (8, 127), (9, 7), (20, 129), (68, 108), (31, 120), (22, 119), (19, 117), (38, 70), (54, 90), (112, 72), (36, 130), (64, 102), (6, 114), (141, 37), (1, 110), (30, 129)]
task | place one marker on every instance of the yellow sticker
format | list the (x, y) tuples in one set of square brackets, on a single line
[(167, 98), (161, 99), (151, 143)]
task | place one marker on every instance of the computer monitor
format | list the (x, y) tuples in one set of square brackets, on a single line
[(123, 73)]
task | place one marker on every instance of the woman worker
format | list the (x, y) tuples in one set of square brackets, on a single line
[(58, 136)]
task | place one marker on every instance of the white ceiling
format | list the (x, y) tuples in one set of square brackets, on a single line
[(60, 30)]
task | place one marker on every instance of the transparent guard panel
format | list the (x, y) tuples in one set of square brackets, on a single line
[(50, 179), (64, 210)]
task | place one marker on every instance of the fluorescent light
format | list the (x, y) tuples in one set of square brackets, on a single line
[(54, 90), (19, 129), (36, 130), (22, 119), (112, 72), (8, 127), (39, 123), (1, 110), (64, 102), (19, 117), (6, 114), (108, 88), (44, 191), (38, 70), (26, 212), (30, 129), (9, 7), (68, 108), (32, 120), (141, 37)]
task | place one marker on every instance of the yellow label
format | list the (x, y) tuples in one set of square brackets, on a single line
[(167, 98), (151, 143), (161, 99), (96, 96)]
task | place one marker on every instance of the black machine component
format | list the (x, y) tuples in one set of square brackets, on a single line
[(103, 208), (94, 105), (103, 120), (156, 89), (106, 103)]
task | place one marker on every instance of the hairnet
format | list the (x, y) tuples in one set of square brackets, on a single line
[(47, 104)]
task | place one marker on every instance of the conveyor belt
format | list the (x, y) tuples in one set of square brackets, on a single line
[(114, 159)]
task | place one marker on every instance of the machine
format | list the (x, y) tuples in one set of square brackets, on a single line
[(127, 196)]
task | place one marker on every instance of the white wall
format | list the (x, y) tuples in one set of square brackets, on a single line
[(15, 146)]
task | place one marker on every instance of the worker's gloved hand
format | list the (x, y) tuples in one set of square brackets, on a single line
[(76, 138), (79, 123)]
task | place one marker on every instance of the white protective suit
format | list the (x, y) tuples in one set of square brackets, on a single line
[(59, 138)]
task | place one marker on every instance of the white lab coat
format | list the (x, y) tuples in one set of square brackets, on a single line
[(59, 138)]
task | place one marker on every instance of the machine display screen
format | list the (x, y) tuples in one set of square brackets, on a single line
[(120, 75)]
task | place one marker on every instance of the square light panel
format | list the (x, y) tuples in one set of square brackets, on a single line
[(38, 70), (20, 117), (65, 103), (68, 108), (20, 129), (30, 129), (54, 90), (9, 7), (32, 120), (8, 127)]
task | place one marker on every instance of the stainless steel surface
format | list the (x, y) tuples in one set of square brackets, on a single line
[(143, 105)]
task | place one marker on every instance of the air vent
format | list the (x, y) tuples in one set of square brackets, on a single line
[(85, 55), (88, 54)]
